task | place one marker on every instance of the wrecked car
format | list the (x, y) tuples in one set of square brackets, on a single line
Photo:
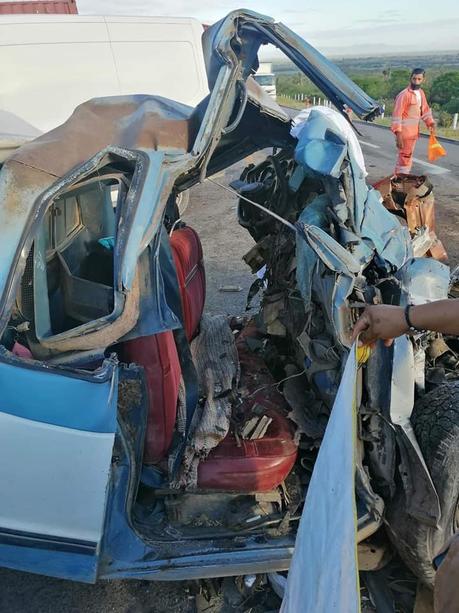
[(141, 438)]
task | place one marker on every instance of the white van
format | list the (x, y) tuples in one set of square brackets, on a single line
[(51, 63), (266, 79)]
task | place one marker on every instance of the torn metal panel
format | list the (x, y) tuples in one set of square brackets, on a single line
[(422, 498), (367, 227), (333, 255), (390, 239), (424, 280), (252, 29), (130, 122), (139, 222), (230, 52)]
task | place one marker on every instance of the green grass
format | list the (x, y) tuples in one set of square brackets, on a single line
[(445, 132), (293, 104)]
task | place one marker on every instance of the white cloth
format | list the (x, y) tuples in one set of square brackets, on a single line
[(323, 576), (342, 126), (417, 93)]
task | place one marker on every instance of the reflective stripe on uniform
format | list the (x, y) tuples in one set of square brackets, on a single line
[(410, 121)]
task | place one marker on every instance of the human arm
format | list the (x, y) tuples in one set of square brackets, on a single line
[(387, 322), (426, 113)]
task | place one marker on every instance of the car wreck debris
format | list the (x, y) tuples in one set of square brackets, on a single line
[(191, 438)]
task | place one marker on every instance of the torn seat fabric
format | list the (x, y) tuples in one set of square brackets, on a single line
[(253, 465)]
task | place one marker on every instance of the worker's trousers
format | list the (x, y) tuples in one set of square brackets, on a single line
[(405, 156)]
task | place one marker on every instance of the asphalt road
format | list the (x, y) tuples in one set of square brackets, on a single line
[(378, 147), (212, 212)]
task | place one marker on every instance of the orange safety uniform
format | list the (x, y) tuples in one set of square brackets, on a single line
[(405, 119)]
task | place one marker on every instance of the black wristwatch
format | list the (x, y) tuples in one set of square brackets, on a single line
[(409, 323)]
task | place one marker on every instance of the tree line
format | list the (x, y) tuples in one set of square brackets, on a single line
[(442, 88)]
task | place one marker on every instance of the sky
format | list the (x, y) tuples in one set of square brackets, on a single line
[(336, 27)]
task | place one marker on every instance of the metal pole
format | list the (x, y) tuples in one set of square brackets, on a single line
[(455, 118)]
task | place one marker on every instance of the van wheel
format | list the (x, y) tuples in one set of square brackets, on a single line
[(435, 421), (182, 201)]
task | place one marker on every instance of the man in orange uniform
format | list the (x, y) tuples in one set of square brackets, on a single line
[(410, 107)]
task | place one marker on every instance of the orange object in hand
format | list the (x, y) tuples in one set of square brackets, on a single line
[(434, 149)]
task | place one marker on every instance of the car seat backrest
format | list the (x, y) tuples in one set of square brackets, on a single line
[(188, 258), (158, 353)]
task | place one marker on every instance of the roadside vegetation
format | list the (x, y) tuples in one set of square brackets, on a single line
[(441, 87)]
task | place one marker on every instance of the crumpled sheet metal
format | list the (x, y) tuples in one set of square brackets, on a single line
[(413, 195), (374, 226), (253, 29), (424, 280), (129, 122), (313, 129), (24, 207), (315, 214), (389, 237), (333, 255), (316, 250)]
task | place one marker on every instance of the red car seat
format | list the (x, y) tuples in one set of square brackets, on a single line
[(158, 356), (187, 253), (257, 465), (254, 466), (158, 353)]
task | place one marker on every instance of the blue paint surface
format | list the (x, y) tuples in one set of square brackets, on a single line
[(60, 564), (51, 397)]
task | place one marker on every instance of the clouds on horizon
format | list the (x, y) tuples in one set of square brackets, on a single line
[(347, 29), (438, 35)]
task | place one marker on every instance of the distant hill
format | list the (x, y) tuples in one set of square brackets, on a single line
[(444, 60)]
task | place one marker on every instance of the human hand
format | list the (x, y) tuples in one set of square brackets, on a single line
[(399, 140), (380, 321), (433, 128)]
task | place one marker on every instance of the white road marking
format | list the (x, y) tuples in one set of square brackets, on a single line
[(363, 142), (434, 169)]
